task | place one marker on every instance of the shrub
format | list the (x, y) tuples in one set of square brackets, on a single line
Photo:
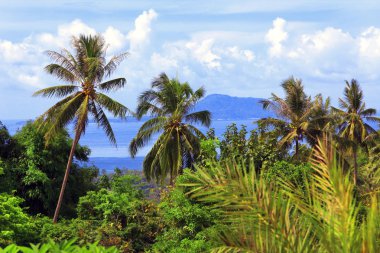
[(15, 225)]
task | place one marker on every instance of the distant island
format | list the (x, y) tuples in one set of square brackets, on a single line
[(224, 107)]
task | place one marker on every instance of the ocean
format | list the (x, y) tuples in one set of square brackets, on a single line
[(107, 157)]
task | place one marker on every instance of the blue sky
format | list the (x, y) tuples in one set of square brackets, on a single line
[(239, 48)]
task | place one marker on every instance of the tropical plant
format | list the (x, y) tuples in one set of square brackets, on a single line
[(353, 118), (256, 216), (118, 216), (234, 142), (34, 170), (5, 142), (171, 105), (325, 216), (64, 246), (295, 113), (16, 225), (187, 225), (84, 71)]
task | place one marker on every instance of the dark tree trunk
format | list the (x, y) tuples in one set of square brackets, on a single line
[(67, 173), (296, 154), (355, 165)]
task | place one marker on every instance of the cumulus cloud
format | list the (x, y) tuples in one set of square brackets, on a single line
[(215, 59), (16, 52), (139, 36), (202, 51), (275, 36), (239, 54), (115, 39)]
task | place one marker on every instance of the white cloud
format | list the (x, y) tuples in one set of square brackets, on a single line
[(15, 52), (232, 62), (202, 51), (275, 36), (238, 54), (115, 39), (163, 63), (75, 28), (369, 43), (32, 80), (139, 37)]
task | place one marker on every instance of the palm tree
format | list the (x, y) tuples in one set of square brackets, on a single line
[(295, 113), (171, 104), (353, 127), (84, 72)]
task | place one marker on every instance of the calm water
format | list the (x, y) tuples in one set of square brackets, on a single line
[(107, 157)]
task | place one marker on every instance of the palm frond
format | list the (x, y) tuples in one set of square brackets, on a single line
[(117, 109), (61, 73), (102, 121), (62, 115), (112, 65), (114, 84), (203, 117), (57, 91)]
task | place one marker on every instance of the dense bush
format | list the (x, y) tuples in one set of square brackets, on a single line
[(15, 225), (34, 170), (188, 226), (117, 216), (283, 171)]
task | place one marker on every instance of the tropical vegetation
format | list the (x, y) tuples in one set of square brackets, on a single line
[(306, 180)]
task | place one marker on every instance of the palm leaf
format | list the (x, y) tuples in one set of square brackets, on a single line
[(57, 91)]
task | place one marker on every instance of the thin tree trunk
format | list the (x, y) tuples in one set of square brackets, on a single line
[(296, 154), (355, 166), (67, 173)]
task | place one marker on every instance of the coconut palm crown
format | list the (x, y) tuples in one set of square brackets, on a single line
[(295, 113), (170, 103), (353, 118), (81, 97)]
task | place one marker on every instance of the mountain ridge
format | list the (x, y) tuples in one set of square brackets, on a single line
[(225, 107)]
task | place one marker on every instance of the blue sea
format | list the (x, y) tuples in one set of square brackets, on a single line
[(108, 157)]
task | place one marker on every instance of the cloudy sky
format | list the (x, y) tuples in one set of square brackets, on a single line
[(239, 48)]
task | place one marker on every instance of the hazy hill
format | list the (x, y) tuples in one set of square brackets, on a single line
[(227, 107)]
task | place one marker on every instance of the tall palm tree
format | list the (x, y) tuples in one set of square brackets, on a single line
[(295, 113), (84, 73), (353, 117), (171, 104)]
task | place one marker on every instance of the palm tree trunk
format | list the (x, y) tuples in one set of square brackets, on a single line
[(296, 154), (355, 165), (171, 181), (67, 173)]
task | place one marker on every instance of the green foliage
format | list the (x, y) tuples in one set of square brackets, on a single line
[(209, 147), (261, 146), (53, 247), (264, 217), (188, 226), (283, 171), (6, 142), (118, 216), (15, 225), (116, 204), (234, 143), (35, 171)]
